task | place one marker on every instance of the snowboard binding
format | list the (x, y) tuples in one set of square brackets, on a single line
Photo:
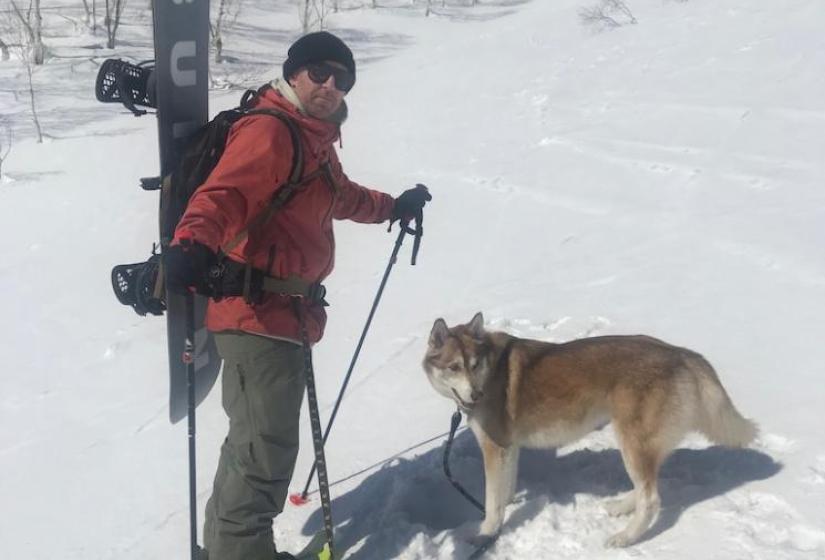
[(119, 81), (140, 285)]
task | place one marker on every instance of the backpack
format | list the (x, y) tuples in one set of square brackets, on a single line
[(138, 284), (202, 153)]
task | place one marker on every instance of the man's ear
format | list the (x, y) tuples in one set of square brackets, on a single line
[(439, 333), (291, 79), (476, 326)]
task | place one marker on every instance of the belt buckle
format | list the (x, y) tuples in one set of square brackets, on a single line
[(316, 293)]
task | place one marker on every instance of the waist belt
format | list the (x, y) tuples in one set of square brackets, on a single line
[(231, 278), (295, 287)]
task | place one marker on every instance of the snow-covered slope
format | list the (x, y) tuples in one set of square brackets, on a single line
[(661, 178)]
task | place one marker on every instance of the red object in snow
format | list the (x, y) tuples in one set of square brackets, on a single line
[(298, 500)]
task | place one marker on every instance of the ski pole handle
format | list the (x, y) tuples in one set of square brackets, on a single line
[(417, 232)]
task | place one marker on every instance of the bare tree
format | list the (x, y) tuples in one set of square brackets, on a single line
[(30, 73), (304, 14), (322, 9), (90, 19), (227, 14), (4, 50), (8, 23), (428, 9), (24, 49), (5, 143), (312, 14), (114, 9), (607, 14), (32, 23)]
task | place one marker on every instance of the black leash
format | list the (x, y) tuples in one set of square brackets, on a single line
[(454, 423), (404, 229), (315, 420), (484, 547)]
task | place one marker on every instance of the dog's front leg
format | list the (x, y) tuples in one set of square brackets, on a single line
[(496, 484), (510, 472)]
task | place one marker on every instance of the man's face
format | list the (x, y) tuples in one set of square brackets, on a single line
[(320, 100)]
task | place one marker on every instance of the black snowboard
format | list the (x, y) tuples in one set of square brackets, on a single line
[(181, 34)]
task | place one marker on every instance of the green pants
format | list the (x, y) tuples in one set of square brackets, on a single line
[(263, 386)]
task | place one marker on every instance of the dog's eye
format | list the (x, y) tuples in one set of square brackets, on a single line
[(455, 367)]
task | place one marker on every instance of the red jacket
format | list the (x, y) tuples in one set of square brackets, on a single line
[(298, 238)]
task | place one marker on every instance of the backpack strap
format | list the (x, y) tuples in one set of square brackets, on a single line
[(284, 193), (293, 286), (251, 95)]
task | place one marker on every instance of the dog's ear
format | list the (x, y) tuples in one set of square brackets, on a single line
[(476, 326), (439, 333)]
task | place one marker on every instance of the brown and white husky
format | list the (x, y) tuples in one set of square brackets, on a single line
[(526, 393)]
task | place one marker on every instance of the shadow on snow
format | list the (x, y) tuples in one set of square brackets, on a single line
[(407, 497)]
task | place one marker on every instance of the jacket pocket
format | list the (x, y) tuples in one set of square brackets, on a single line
[(249, 414)]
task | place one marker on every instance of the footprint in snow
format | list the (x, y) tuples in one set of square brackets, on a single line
[(660, 168), (550, 331), (766, 520), (493, 184), (816, 475), (776, 443), (110, 352)]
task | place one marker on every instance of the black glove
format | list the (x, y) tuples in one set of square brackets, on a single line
[(410, 204), (188, 265)]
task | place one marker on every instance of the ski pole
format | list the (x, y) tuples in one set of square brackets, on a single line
[(404, 229), (189, 359), (317, 441)]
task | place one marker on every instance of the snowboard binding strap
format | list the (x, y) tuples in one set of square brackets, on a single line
[(137, 284), (119, 81)]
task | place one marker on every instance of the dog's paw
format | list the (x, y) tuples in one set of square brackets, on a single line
[(619, 540), (481, 540), (489, 528), (467, 531)]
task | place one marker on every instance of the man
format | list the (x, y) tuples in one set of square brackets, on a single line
[(259, 338)]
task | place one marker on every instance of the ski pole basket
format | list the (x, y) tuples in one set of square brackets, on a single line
[(119, 81)]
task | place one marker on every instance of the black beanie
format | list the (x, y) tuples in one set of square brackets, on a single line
[(318, 47)]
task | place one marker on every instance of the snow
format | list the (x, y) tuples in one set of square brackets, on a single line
[(661, 178)]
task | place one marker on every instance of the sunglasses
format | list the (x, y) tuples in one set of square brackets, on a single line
[(320, 73)]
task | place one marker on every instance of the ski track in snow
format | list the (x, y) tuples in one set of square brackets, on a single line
[(403, 344), (786, 265), (760, 521), (816, 477), (575, 204), (557, 330), (691, 162)]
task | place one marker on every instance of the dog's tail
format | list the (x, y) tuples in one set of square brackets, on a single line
[(718, 418)]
